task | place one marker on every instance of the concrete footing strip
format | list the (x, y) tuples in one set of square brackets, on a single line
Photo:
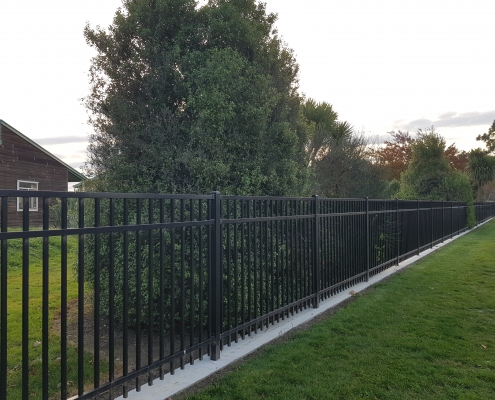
[(183, 379)]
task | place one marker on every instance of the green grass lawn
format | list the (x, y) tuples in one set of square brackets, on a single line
[(14, 317), (426, 333)]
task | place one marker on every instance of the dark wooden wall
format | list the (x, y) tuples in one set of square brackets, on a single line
[(20, 160)]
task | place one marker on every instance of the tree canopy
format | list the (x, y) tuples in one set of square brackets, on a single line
[(396, 155), (193, 99), (458, 159), (430, 175)]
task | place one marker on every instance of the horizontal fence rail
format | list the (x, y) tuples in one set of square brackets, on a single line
[(101, 293)]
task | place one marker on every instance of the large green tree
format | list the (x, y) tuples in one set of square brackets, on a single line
[(192, 99), (430, 175), (428, 167)]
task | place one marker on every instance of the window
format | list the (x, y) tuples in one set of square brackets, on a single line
[(33, 201)]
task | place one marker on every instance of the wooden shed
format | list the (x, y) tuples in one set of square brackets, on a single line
[(25, 165)]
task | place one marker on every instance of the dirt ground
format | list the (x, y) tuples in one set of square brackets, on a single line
[(72, 334), (119, 347)]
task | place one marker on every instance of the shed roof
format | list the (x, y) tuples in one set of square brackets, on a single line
[(72, 174)]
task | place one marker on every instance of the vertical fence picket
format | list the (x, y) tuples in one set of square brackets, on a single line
[(216, 278), (161, 306), (236, 270), (138, 293), (80, 301), (182, 309), (111, 296), (25, 301), (431, 222), (150, 285), (443, 222), (249, 269), (368, 244), (397, 230), (316, 253), (172, 286), (201, 278), (418, 228), (451, 219), (63, 305), (45, 300), (3, 299), (125, 290), (192, 307), (96, 303), (243, 267)]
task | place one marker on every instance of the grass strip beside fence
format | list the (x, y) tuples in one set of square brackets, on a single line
[(14, 318), (426, 333)]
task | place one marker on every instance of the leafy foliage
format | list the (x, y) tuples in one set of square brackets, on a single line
[(458, 159), (481, 169), (187, 99), (488, 138), (338, 158), (396, 155), (72, 214), (430, 176), (321, 120), (347, 171)]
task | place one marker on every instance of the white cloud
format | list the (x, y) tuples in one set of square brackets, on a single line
[(451, 120), (61, 140), (374, 61)]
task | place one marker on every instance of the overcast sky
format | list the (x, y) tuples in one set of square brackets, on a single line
[(383, 65)]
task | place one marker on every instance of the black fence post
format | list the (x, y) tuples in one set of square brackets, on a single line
[(3, 300), (451, 220), (45, 325), (25, 300), (80, 302), (419, 243), (216, 277), (431, 214), (397, 227), (443, 222), (367, 240), (316, 253), (458, 220)]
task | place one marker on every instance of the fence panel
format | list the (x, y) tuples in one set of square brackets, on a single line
[(114, 290)]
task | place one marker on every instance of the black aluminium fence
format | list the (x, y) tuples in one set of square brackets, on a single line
[(115, 290)]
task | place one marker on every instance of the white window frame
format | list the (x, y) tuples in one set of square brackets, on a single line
[(33, 201)]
